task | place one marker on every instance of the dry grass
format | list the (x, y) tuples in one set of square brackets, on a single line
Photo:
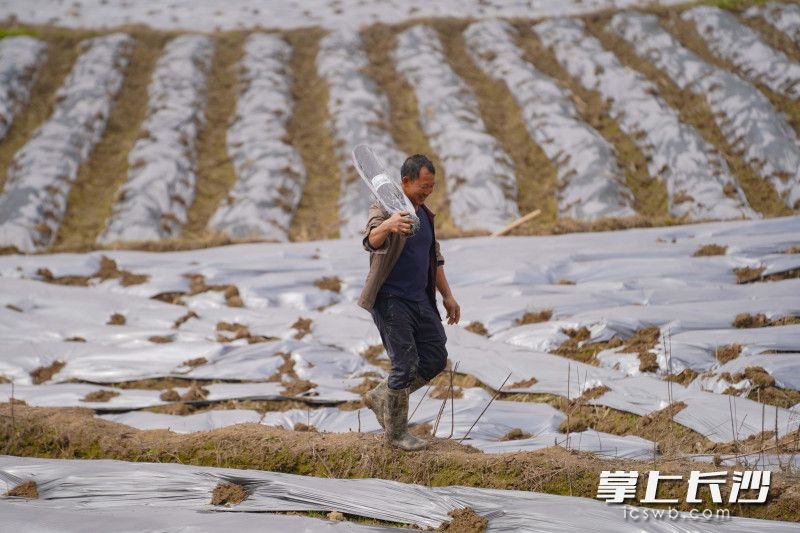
[(477, 328), (759, 192), (62, 50), (215, 174), (464, 520), (748, 274), (44, 373), (523, 383), (317, 214), (332, 283), (240, 331), (75, 433), (515, 434), (26, 489), (379, 41), (197, 361), (760, 320), (709, 250), (228, 494), (92, 196), (100, 396), (728, 352), (371, 352), (693, 110), (650, 195), (533, 318), (684, 377), (161, 339), (534, 172)]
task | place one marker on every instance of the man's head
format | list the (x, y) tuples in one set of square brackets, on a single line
[(418, 175)]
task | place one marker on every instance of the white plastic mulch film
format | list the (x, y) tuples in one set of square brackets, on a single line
[(619, 286), (154, 201), (479, 174), (697, 177), (156, 496), (270, 174), (591, 184), (34, 199), (743, 114), (746, 49), (359, 115), (784, 17), (20, 59)]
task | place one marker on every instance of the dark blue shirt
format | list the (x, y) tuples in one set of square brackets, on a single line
[(409, 277)]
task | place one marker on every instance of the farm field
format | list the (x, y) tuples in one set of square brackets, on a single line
[(180, 260)]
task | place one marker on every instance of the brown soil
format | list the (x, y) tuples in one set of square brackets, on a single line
[(100, 396), (197, 361), (184, 318), (710, 249), (748, 274), (160, 339), (228, 494), (365, 386), (317, 215), (465, 520), (215, 174), (478, 328), (533, 318), (534, 172), (108, 269), (76, 433), (117, 319), (303, 327), (792, 250), (515, 434), (522, 384), (286, 368), (26, 489), (75, 339), (304, 427), (13, 308), (297, 387), (44, 373), (333, 284), (170, 395), (584, 353), (92, 196), (240, 331), (371, 353)]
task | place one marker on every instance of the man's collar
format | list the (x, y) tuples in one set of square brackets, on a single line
[(430, 213)]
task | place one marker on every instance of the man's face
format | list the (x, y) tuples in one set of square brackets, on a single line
[(419, 189)]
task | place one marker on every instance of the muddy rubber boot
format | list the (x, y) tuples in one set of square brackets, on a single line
[(376, 400), (396, 419)]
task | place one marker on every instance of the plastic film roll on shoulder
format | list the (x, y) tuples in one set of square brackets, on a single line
[(383, 183)]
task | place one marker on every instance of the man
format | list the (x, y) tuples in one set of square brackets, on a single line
[(400, 293)]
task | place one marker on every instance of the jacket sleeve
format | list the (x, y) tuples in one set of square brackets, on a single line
[(375, 218), (439, 257)]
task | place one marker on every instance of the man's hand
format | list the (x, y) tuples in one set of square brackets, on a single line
[(399, 222), (453, 310)]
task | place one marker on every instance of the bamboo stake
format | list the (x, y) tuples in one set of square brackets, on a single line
[(485, 408), (520, 221)]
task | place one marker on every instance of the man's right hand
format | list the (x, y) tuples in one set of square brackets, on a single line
[(399, 222)]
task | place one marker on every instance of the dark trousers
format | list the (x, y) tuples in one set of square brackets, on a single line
[(413, 336)]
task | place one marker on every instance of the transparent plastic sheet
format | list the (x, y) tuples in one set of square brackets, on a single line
[(384, 184), (84, 488), (785, 17)]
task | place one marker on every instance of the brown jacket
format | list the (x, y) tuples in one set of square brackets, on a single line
[(383, 259)]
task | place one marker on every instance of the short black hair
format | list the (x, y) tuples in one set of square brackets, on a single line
[(414, 164)]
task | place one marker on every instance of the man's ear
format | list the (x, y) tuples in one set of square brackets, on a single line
[(405, 180)]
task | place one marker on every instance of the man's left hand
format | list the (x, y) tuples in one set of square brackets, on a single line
[(453, 310)]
